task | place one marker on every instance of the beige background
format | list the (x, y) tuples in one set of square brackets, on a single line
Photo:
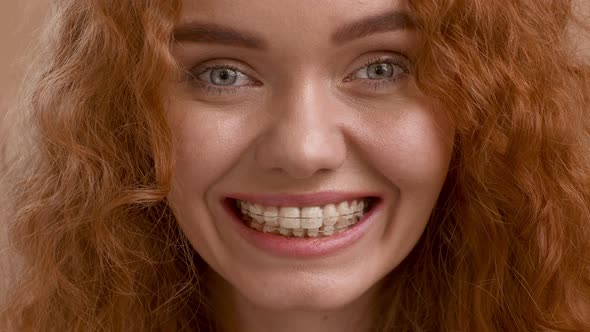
[(19, 22)]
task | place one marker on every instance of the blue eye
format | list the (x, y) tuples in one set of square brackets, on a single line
[(381, 69), (223, 76), (381, 74)]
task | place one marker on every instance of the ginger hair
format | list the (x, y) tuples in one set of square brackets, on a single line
[(506, 248)]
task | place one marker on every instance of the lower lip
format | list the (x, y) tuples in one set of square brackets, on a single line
[(303, 247)]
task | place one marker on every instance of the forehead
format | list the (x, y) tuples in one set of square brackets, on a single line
[(300, 16), (291, 26)]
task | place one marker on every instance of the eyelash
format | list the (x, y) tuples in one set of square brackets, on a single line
[(211, 89)]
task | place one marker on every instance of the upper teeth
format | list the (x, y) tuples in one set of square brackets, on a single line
[(311, 217)]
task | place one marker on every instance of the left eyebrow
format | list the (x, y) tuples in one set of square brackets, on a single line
[(391, 21)]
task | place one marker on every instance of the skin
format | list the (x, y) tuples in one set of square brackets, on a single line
[(298, 123)]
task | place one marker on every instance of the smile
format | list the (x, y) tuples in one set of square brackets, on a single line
[(308, 221)]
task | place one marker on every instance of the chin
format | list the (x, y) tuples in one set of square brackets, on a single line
[(308, 293)]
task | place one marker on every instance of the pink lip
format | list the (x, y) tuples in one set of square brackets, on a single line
[(290, 200), (303, 247)]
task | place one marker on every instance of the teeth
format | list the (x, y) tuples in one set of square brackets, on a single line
[(343, 222), (299, 232), (268, 229), (313, 232), (328, 230), (257, 226), (345, 212), (354, 207), (312, 221), (289, 218), (311, 217), (245, 207), (285, 231), (330, 215), (360, 208), (257, 212), (271, 216)]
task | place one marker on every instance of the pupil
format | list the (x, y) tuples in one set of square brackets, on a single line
[(223, 76), (382, 70)]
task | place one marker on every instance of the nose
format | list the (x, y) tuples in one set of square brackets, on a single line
[(304, 135)]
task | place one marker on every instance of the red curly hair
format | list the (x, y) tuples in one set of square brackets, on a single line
[(507, 246)]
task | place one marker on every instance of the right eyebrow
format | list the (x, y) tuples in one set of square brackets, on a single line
[(215, 34)]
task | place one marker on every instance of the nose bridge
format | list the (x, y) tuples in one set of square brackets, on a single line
[(304, 136)]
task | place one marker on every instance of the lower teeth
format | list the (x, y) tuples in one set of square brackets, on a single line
[(300, 232)]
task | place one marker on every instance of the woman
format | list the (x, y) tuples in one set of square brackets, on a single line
[(337, 166)]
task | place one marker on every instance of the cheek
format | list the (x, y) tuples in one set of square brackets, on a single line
[(208, 143), (412, 148)]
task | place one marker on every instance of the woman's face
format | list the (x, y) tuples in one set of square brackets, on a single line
[(295, 108)]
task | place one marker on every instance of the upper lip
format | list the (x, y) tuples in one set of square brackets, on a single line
[(297, 200)]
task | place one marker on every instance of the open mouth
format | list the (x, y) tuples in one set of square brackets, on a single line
[(303, 222)]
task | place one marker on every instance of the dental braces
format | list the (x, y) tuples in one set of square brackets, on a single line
[(352, 214), (263, 227), (276, 230)]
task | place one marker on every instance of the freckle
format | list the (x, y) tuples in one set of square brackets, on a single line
[(325, 317)]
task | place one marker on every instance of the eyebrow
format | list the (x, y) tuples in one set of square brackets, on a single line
[(391, 21), (212, 33), (216, 34)]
